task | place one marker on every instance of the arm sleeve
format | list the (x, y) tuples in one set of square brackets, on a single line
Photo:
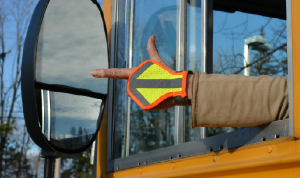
[(237, 100)]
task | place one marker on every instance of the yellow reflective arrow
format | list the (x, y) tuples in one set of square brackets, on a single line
[(156, 72), (152, 94)]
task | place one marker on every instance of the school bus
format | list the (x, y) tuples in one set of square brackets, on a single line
[(64, 109), (135, 143)]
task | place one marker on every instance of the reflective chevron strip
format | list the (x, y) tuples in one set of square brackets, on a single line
[(150, 83)]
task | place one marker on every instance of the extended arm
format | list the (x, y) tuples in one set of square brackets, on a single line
[(223, 100), (237, 100)]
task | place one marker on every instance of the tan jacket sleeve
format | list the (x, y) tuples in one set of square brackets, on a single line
[(237, 100)]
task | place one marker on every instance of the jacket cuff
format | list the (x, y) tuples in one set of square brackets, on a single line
[(194, 99)]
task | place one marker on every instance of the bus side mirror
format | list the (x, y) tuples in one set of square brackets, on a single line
[(62, 103)]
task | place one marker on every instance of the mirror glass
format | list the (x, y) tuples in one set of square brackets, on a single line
[(71, 43)]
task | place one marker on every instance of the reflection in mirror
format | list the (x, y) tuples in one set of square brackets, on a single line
[(72, 43), (73, 119)]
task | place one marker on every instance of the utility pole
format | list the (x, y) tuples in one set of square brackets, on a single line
[(257, 42)]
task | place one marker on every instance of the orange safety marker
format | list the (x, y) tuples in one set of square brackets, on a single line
[(150, 83)]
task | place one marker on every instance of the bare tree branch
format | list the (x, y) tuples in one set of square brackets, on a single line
[(261, 58), (16, 14)]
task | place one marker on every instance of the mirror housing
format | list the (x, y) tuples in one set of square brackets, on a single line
[(33, 86)]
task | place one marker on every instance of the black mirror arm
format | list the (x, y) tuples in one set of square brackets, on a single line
[(70, 90)]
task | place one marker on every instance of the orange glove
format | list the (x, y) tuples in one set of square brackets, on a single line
[(150, 83)]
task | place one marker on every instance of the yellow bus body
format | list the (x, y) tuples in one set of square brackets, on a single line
[(275, 158)]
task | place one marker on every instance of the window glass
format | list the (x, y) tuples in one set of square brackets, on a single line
[(155, 129), (266, 40), (193, 58), (231, 30), (148, 130)]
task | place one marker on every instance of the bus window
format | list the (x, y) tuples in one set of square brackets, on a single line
[(243, 38), (145, 130)]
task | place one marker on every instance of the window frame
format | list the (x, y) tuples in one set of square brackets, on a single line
[(181, 149)]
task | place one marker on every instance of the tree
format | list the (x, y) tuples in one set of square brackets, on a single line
[(80, 167), (14, 19), (17, 160)]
